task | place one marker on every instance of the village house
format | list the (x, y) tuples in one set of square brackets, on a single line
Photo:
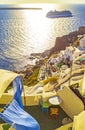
[(82, 43)]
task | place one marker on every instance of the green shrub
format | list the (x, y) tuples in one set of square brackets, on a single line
[(53, 79), (31, 80), (6, 126)]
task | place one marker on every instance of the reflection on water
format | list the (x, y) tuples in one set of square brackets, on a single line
[(28, 31), (39, 30)]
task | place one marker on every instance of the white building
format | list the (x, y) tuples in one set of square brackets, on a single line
[(77, 53), (72, 53), (59, 59), (82, 42), (69, 53)]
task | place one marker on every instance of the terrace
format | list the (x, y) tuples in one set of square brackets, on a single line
[(45, 122)]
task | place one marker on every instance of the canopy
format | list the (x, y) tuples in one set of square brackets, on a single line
[(6, 77), (82, 59), (14, 113), (18, 118)]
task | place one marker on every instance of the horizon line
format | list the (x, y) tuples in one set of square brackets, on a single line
[(18, 8)]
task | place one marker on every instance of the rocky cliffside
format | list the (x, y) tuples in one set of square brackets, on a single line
[(62, 42)]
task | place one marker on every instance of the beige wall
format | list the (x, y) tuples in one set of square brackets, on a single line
[(71, 104), (28, 100), (65, 127)]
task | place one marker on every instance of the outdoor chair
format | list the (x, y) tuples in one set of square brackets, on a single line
[(45, 105), (54, 112)]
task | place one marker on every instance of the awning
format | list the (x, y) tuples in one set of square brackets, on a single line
[(55, 100), (82, 59), (6, 77)]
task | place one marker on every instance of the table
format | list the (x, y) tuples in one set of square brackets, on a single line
[(55, 100)]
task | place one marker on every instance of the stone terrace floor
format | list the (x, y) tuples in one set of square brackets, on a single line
[(43, 118)]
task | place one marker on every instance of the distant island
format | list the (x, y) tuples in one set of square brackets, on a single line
[(59, 14), (19, 8)]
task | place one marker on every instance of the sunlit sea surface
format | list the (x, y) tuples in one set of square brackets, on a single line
[(23, 32)]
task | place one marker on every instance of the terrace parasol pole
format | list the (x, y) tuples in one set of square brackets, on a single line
[(24, 96)]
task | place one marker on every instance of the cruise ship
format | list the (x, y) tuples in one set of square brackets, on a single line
[(58, 14)]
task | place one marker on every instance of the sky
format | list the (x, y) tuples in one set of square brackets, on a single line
[(40, 1)]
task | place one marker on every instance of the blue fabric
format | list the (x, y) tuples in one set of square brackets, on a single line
[(14, 113), (18, 118), (18, 88)]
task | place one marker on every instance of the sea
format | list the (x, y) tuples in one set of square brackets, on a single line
[(26, 31)]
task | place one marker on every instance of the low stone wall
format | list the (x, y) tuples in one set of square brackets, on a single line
[(27, 100)]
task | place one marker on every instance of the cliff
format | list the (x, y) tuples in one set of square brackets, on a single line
[(31, 72), (62, 42)]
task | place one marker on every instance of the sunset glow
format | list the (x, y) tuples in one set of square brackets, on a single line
[(40, 1)]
